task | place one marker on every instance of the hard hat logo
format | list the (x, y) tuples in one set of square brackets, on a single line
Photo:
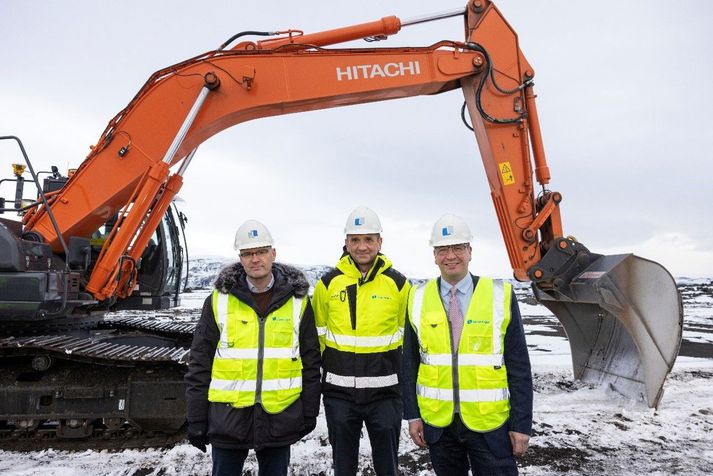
[(252, 234), (447, 231), (359, 221)]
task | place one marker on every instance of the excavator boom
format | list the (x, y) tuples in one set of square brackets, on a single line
[(622, 314)]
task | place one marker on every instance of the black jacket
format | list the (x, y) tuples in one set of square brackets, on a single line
[(519, 375), (252, 427)]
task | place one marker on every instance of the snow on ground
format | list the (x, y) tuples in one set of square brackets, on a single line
[(578, 429)]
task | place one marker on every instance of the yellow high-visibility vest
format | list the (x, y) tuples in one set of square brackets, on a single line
[(482, 386), (250, 368)]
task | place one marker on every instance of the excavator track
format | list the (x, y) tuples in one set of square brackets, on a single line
[(178, 330), (110, 388)]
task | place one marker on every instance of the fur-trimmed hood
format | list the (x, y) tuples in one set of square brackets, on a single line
[(234, 276)]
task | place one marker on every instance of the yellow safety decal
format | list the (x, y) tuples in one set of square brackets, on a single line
[(506, 172)]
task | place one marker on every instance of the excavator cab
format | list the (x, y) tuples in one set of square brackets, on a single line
[(160, 274), (162, 268)]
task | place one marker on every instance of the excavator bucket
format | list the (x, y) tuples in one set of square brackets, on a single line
[(623, 317)]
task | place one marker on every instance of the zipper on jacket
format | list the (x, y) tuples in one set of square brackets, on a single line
[(352, 289), (260, 357), (352, 300), (456, 383)]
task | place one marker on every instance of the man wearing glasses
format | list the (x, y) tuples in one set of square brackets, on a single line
[(466, 371), (360, 308), (253, 375)]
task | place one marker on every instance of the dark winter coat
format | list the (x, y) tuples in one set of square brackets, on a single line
[(252, 427)]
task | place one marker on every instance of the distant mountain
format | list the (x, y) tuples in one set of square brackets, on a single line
[(204, 269)]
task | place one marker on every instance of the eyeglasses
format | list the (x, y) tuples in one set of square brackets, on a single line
[(260, 253), (458, 250)]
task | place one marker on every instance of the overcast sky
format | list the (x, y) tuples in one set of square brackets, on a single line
[(623, 95)]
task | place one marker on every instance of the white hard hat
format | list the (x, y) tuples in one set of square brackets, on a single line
[(450, 230), (252, 234), (362, 221)]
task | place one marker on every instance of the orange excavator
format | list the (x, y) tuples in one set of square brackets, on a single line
[(622, 314)]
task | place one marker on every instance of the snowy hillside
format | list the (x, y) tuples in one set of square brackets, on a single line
[(204, 269)]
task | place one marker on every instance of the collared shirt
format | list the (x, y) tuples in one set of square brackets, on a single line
[(254, 289), (464, 292)]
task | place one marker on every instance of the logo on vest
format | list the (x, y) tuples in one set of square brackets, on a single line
[(474, 321), (343, 295), (384, 298), (280, 319)]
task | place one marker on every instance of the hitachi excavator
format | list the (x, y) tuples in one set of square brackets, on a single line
[(622, 314)]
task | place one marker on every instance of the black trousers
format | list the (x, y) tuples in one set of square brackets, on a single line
[(271, 461), (459, 449), (383, 423)]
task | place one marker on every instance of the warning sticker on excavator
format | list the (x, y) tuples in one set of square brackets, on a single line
[(506, 172)]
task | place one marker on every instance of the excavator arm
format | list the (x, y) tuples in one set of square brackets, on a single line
[(622, 314)]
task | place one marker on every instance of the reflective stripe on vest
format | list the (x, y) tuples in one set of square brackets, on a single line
[(482, 391), (463, 359), (235, 364), (493, 395), (345, 341), (350, 381), (251, 385)]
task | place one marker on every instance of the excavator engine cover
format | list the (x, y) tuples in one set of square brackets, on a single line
[(622, 315)]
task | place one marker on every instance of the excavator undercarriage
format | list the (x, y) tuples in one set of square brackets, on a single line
[(99, 391), (70, 377)]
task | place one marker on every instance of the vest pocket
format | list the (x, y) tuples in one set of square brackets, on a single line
[(228, 369), (474, 344), (288, 368), (281, 338), (491, 378), (434, 319), (428, 379)]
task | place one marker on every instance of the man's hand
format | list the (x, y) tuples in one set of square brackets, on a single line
[(519, 442), (309, 425), (198, 435), (415, 430)]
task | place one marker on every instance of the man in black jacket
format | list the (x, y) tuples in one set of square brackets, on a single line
[(359, 309), (253, 378)]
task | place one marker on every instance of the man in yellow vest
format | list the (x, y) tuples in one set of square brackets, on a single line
[(253, 374), (466, 371), (360, 308)]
